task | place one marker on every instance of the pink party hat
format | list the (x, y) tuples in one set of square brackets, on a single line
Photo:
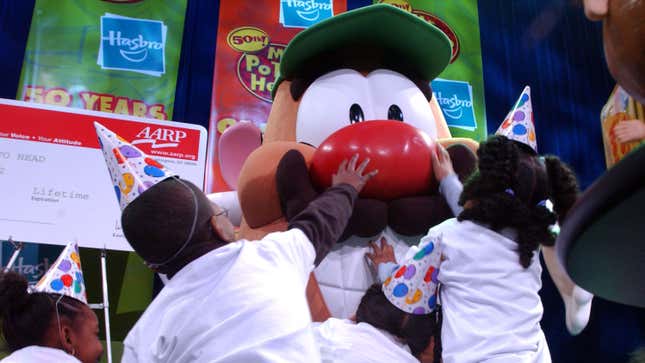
[(518, 124), (132, 171), (65, 276), (412, 287)]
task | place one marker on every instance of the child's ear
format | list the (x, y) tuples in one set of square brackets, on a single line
[(67, 339)]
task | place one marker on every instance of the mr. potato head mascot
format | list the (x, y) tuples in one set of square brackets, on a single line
[(357, 83)]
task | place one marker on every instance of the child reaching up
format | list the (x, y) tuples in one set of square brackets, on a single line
[(490, 274)]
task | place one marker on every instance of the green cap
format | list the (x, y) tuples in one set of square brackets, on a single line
[(411, 41)]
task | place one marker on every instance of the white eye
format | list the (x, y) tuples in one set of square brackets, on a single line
[(395, 97), (333, 101)]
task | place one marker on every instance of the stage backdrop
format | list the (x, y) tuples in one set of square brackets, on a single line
[(119, 57), (251, 38), (460, 87), (548, 44)]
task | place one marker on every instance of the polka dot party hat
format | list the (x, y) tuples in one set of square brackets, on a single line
[(132, 171), (65, 276), (412, 287), (518, 124)]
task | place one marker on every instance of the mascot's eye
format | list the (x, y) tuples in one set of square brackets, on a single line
[(356, 114), (395, 113)]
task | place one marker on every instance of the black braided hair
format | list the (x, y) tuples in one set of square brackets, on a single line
[(563, 186), (415, 330), (27, 316), (508, 188)]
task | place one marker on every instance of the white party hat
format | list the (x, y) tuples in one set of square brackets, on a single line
[(132, 171), (412, 287), (65, 276), (518, 124)]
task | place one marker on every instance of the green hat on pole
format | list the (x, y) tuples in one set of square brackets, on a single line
[(403, 39)]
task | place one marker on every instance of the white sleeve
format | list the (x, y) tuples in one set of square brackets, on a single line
[(130, 344), (129, 355), (385, 269), (450, 187), (294, 248)]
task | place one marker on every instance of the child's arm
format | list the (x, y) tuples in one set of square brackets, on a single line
[(449, 185)]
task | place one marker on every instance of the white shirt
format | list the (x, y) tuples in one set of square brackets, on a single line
[(491, 306), (343, 276), (244, 302), (342, 340), (38, 354)]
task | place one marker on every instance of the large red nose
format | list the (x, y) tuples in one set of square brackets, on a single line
[(400, 152)]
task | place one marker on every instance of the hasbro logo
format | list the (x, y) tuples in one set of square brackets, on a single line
[(132, 44), (304, 13), (33, 261), (456, 101)]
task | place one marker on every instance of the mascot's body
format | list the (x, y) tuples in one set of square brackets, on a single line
[(374, 63), (359, 83)]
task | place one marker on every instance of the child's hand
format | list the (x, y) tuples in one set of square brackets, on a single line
[(382, 254), (350, 174), (441, 163)]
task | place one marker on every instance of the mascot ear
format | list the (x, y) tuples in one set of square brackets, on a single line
[(235, 145)]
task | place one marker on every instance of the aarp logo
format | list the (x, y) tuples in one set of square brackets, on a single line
[(132, 44), (304, 13), (160, 137)]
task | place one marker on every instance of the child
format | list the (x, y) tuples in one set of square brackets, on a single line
[(52, 323), (491, 272), (389, 326)]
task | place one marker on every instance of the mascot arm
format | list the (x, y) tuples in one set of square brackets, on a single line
[(412, 216), (324, 218), (368, 219), (295, 191)]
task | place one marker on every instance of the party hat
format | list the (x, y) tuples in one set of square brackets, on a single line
[(518, 124), (412, 287), (65, 276), (132, 171)]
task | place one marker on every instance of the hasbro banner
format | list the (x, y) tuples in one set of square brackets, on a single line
[(33, 261), (251, 38), (460, 87), (111, 56), (303, 14)]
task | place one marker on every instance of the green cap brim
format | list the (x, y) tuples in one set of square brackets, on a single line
[(601, 242), (417, 44)]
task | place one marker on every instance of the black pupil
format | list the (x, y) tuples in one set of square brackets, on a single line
[(356, 114), (395, 113)]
